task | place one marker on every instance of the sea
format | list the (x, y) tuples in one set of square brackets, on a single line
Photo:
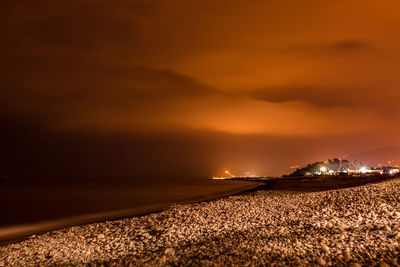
[(33, 206)]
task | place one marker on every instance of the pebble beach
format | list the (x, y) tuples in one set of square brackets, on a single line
[(358, 226)]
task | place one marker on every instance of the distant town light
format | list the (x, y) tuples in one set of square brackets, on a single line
[(323, 169), (364, 170)]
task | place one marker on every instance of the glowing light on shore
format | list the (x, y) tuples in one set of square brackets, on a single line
[(323, 169), (364, 170)]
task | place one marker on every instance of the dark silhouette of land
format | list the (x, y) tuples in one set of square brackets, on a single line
[(317, 183)]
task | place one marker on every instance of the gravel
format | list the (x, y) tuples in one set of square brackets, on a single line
[(357, 226)]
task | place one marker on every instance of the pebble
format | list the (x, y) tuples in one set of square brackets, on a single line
[(321, 261), (101, 236), (170, 251), (163, 260), (325, 248), (340, 228), (347, 256)]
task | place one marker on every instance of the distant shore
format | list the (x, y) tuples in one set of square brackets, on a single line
[(317, 183), (352, 226)]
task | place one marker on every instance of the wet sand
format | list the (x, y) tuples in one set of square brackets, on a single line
[(341, 227)]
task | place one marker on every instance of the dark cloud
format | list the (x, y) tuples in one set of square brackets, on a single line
[(350, 45), (329, 48), (54, 92), (330, 97), (327, 97)]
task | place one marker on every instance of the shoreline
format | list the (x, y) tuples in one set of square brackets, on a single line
[(341, 227), (18, 233)]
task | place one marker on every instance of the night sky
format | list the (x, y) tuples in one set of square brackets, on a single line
[(190, 88)]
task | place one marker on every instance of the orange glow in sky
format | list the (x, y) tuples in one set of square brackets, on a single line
[(300, 78)]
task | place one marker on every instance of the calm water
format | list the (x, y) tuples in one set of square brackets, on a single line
[(25, 202)]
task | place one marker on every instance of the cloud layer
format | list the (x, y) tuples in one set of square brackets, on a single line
[(265, 68)]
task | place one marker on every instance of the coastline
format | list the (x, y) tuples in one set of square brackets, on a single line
[(17, 233), (340, 227)]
